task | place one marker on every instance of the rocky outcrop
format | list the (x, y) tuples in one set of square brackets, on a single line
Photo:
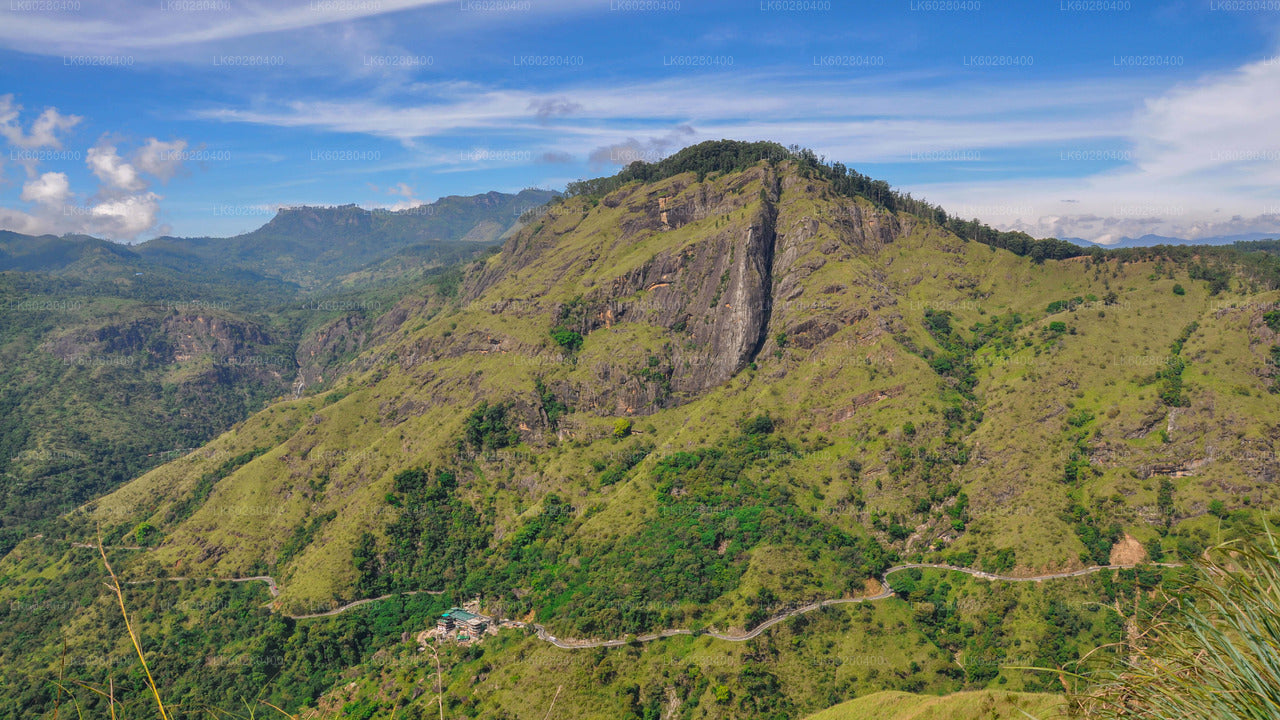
[(715, 297), (331, 345), (742, 285), (725, 297), (167, 339)]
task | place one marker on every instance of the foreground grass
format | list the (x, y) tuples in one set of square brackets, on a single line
[(986, 704), (1212, 655)]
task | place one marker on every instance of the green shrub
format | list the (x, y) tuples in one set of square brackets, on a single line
[(758, 425), (144, 533), (622, 428), (567, 339), (487, 428)]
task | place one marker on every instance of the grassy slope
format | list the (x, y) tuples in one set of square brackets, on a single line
[(817, 661), (412, 409), (975, 705), (337, 452)]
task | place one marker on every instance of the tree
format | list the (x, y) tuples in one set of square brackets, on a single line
[(758, 425), (567, 339), (622, 428), (144, 533), (365, 557), (487, 427), (1164, 500)]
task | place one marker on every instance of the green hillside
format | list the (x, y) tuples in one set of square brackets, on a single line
[(115, 359), (983, 704), (691, 397)]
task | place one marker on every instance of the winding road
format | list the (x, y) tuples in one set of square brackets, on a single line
[(274, 589), (884, 593), (271, 583), (546, 636), (343, 608)]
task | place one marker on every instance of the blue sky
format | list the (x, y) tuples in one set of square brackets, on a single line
[(200, 117)]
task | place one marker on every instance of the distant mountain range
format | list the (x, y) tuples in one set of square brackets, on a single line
[(161, 346), (310, 247), (1150, 240)]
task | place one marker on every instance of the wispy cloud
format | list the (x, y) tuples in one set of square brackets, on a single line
[(1095, 153), (855, 111), (140, 26), (1205, 161)]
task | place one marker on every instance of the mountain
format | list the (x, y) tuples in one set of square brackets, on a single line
[(693, 397), (47, 253), (1150, 240), (311, 246), (116, 358)]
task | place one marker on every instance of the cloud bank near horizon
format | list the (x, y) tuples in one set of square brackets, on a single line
[(355, 110)]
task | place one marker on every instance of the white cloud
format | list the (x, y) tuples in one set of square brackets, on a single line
[(44, 130), (159, 158), (1205, 162), (22, 222), (126, 217), (112, 170), (52, 189), (122, 208), (1223, 124), (401, 190), (139, 25)]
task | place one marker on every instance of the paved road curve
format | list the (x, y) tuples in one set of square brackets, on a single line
[(271, 583), (884, 593), (543, 634), (274, 589)]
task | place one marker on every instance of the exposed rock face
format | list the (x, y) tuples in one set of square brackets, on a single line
[(328, 346), (723, 296), (168, 338), (714, 297), (192, 335)]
